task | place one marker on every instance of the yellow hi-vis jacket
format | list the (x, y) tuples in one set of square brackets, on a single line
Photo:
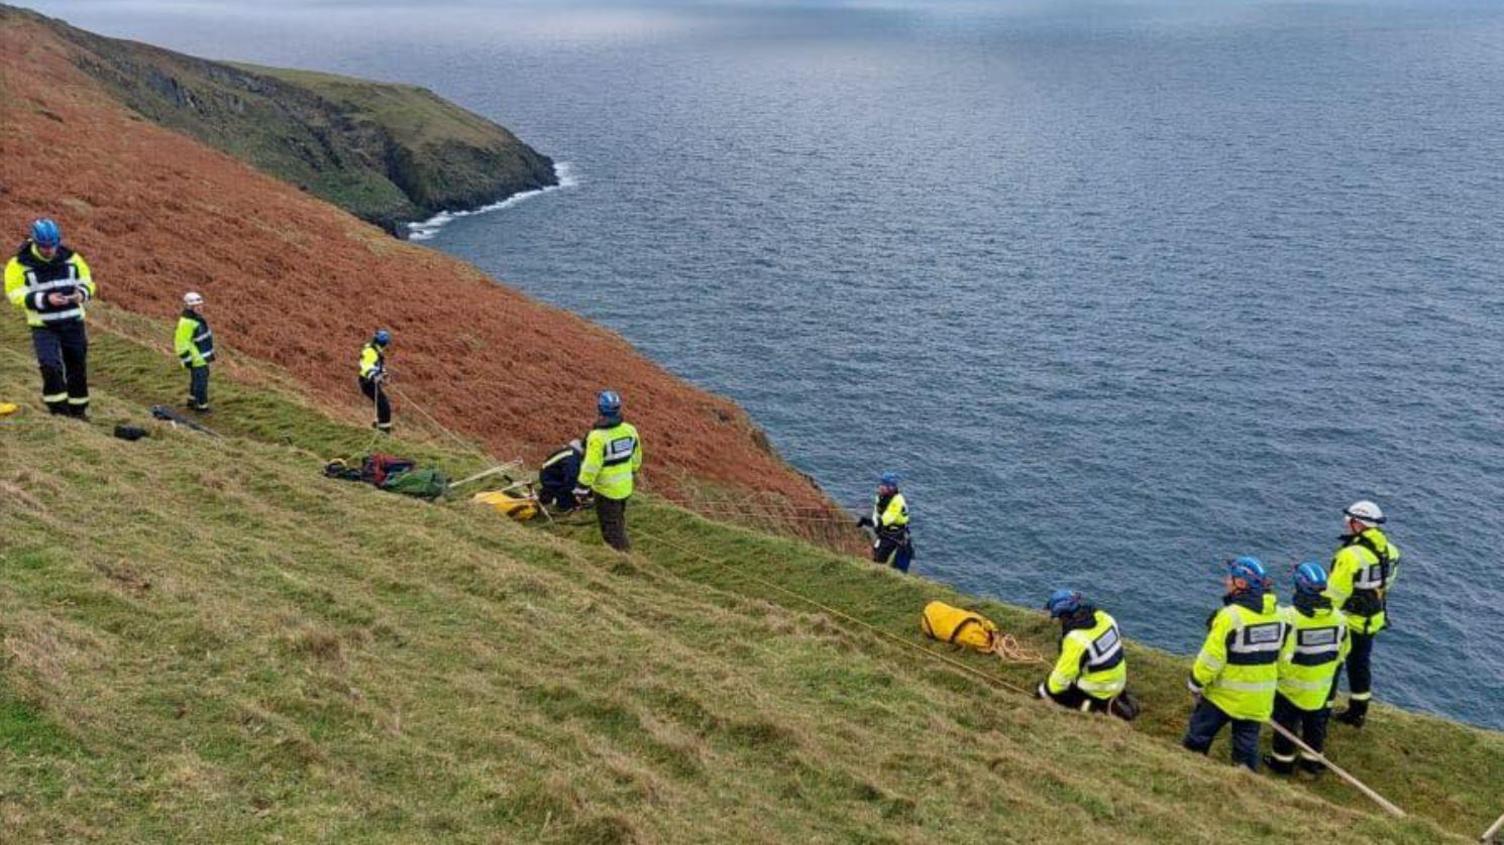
[(1315, 648), (612, 454), (1363, 570), (372, 361), (1238, 666), (30, 278), (890, 519), (1092, 660), (193, 341)]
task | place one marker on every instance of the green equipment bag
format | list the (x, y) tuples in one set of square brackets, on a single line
[(427, 483)]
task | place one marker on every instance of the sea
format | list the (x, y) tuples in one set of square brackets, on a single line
[(1121, 288)]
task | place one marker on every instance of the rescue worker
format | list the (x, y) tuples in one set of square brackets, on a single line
[(194, 342), (373, 375), (51, 283), (1308, 664), (1363, 571), (613, 454), (1092, 669), (889, 522), (1236, 672), (560, 475)]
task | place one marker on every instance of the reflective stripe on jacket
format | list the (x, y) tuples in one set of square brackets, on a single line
[(890, 516), (193, 341), (1315, 648), (613, 452), (1092, 660), (1237, 668), (30, 279), (372, 361), (1360, 580)]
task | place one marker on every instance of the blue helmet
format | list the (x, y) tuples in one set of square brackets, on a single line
[(44, 232), (608, 403), (1063, 603), (1247, 573), (889, 479), (1310, 578), (383, 337)]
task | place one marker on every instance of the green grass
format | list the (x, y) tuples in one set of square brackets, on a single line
[(206, 641)]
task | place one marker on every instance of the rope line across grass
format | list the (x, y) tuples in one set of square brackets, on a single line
[(1017, 654)]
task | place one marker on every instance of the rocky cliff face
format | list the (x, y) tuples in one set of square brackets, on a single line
[(386, 153)]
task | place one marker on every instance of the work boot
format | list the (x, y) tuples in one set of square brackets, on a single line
[(1278, 766), (1314, 768), (1355, 714)]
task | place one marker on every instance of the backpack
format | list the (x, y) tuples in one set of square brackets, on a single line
[(427, 483), (958, 627), (378, 467)]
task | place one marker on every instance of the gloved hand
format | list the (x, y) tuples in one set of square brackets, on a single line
[(864, 522)]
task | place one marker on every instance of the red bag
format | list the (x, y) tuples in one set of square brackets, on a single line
[(378, 467)]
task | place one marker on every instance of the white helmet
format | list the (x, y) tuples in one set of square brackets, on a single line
[(192, 300), (1365, 512)]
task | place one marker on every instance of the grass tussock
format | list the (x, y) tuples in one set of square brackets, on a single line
[(204, 640)]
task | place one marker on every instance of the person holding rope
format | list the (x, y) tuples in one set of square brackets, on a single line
[(1363, 571), (1237, 670), (372, 377), (892, 543), (1092, 669), (613, 455), (1308, 664)]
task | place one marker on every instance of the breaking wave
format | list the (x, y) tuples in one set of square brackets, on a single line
[(424, 230)]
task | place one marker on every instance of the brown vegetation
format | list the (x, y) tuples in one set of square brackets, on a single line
[(302, 284)]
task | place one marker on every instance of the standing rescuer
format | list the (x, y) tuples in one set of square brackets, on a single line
[(1308, 664), (1092, 669), (194, 343), (890, 523), (1363, 570), (1237, 670), (613, 454), (373, 374), (51, 283)]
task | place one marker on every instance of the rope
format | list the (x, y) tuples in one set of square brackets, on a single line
[(873, 629), (466, 446)]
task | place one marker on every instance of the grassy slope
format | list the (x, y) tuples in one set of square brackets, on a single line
[(205, 641), (355, 143)]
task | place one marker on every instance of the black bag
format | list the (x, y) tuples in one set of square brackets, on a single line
[(129, 432)]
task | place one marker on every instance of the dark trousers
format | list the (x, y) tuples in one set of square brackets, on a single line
[(560, 497), (897, 552), (372, 390), (198, 388), (1359, 668), (1075, 699), (62, 350), (1207, 720), (612, 516), (1309, 725)]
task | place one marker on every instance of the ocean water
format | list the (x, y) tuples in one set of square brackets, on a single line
[(1121, 289)]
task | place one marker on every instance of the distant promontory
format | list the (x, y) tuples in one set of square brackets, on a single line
[(389, 154)]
